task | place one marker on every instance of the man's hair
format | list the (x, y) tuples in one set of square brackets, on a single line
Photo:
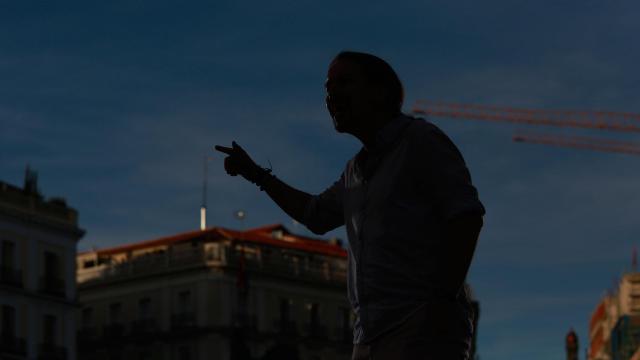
[(379, 73)]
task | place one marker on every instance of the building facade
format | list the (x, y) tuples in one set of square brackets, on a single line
[(625, 337), (37, 274), (629, 294), (612, 328), (602, 321), (217, 293)]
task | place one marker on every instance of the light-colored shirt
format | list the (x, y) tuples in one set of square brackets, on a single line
[(395, 199)]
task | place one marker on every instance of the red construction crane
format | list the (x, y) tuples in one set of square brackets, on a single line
[(580, 142), (597, 120), (601, 120)]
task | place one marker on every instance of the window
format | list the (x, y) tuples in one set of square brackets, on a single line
[(8, 321), (144, 308), (8, 254), (49, 324), (87, 317), (115, 353), (345, 318), (184, 302), (285, 311), (115, 313), (313, 315), (145, 355), (212, 251), (184, 353), (51, 265)]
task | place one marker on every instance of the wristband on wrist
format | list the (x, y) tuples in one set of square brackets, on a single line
[(264, 177), (266, 180)]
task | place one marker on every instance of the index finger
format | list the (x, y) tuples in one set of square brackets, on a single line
[(224, 149)]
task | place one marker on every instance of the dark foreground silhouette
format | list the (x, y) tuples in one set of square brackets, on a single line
[(410, 210)]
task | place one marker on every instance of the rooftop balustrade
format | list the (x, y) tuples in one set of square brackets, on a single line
[(327, 270)]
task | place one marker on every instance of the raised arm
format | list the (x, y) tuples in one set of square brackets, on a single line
[(292, 201)]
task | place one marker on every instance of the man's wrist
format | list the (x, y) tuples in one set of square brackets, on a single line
[(260, 176), (267, 181), (253, 174)]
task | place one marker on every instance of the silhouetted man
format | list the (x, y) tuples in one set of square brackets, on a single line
[(411, 213)]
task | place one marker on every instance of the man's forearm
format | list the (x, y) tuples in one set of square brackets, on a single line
[(292, 201)]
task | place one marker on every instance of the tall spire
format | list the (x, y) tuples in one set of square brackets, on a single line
[(571, 345)]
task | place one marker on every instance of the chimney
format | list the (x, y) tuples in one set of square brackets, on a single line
[(30, 182)]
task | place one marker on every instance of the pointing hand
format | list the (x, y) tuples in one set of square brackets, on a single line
[(238, 162)]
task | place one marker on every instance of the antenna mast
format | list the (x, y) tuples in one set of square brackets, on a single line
[(203, 207)]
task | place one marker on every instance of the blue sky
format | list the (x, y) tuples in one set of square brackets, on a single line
[(116, 103)]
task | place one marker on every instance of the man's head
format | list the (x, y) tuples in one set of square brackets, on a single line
[(360, 86)]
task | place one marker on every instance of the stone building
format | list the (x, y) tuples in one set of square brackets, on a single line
[(216, 293), (37, 274)]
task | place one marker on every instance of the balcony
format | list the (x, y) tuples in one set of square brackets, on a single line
[(343, 334), (285, 327), (315, 331), (295, 268), (247, 322), (87, 334), (144, 327), (48, 351), (184, 320), (113, 331), (11, 345), (278, 264), (10, 276), (148, 264), (51, 285)]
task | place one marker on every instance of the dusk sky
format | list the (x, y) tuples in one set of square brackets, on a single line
[(116, 103)]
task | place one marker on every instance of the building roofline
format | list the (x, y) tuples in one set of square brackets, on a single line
[(165, 240), (288, 240), (261, 235)]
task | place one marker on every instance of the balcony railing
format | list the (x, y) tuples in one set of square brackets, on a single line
[(144, 326), (87, 334), (52, 286), (248, 322), (327, 273), (183, 320), (113, 331), (316, 331), (10, 276), (51, 352), (147, 264), (11, 345), (344, 334), (331, 272), (285, 327)]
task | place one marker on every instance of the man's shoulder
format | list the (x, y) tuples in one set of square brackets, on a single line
[(426, 137), (351, 164), (422, 130)]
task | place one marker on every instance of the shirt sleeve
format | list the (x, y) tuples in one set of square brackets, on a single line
[(324, 212), (444, 176)]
